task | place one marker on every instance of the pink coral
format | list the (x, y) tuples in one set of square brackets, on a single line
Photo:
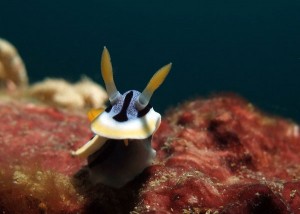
[(36, 166), (224, 156), (217, 155)]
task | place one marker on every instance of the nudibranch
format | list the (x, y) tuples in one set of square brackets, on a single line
[(121, 147)]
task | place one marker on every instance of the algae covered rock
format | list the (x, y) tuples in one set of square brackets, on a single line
[(36, 167), (221, 155), (216, 155)]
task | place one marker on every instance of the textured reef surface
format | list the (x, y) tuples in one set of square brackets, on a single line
[(35, 165), (221, 155), (216, 155)]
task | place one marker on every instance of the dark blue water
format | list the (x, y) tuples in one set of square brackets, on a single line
[(248, 47)]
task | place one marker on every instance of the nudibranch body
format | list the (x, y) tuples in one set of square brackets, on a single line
[(124, 121), (121, 147)]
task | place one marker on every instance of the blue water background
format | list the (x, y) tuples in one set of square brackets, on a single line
[(248, 47)]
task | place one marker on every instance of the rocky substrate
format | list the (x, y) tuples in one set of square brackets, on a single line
[(216, 155)]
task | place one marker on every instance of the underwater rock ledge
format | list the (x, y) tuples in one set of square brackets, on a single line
[(216, 155), (222, 155)]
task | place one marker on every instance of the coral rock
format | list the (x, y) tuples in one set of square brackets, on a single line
[(12, 69), (217, 155), (223, 156), (58, 92), (35, 163)]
